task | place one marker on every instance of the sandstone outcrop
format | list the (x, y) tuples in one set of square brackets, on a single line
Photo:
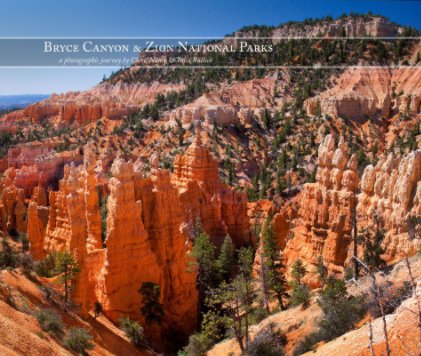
[(390, 192), (129, 256), (233, 104), (67, 226), (358, 26), (38, 218), (145, 244), (323, 226), (203, 196), (12, 207), (36, 163), (367, 92)]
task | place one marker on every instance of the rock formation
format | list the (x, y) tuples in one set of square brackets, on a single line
[(353, 27), (148, 234), (12, 207), (323, 226), (367, 92), (93, 215), (391, 192), (36, 163), (129, 256), (220, 208), (232, 104)]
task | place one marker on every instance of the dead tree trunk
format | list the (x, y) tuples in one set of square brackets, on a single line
[(355, 236), (417, 301), (371, 337), (377, 296)]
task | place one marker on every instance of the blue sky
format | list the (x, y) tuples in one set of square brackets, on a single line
[(157, 18)]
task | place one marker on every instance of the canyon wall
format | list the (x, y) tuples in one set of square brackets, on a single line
[(366, 92), (351, 27), (391, 193), (37, 163), (12, 208), (220, 209), (323, 225), (234, 103), (79, 108)]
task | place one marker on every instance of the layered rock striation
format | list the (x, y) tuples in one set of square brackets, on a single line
[(350, 27), (368, 92), (388, 195), (232, 104), (37, 163), (324, 223), (79, 108), (391, 194), (12, 208), (220, 209)]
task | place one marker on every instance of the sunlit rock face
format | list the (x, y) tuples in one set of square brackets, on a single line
[(362, 93), (388, 194), (391, 193), (323, 226), (36, 163), (220, 209)]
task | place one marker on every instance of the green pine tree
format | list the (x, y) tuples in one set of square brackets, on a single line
[(67, 266), (226, 259), (300, 291), (273, 265), (151, 309), (321, 271), (373, 249)]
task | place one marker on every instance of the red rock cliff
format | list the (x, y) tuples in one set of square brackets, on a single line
[(219, 207), (391, 191), (323, 227)]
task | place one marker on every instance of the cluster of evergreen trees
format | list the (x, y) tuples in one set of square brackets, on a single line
[(232, 296)]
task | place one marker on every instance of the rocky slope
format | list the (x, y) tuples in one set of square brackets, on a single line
[(362, 94), (21, 333), (353, 26), (297, 322), (323, 226)]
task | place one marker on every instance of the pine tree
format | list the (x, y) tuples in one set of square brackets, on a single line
[(204, 255), (273, 265), (67, 266), (300, 291), (267, 119), (226, 259), (203, 263), (321, 271), (151, 309), (154, 113), (238, 297), (180, 132), (298, 272), (373, 249), (341, 311)]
